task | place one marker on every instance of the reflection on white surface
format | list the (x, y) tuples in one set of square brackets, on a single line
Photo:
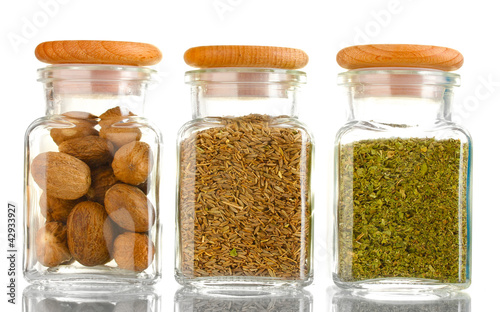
[(248, 300), (42, 299), (346, 301)]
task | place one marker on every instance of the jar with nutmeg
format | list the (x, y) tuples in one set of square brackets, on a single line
[(244, 201), (92, 167)]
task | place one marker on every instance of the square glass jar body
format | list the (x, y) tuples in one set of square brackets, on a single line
[(72, 158), (244, 202), (402, 183)]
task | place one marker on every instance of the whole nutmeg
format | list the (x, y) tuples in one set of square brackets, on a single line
[(133, 163), (113, 115), (71, 128), (90, 234), (56, 209), (61, 175), (102, 179), (133, 251), (144, 187), (52, 245), (115, 128), (92, 150), (121, 133), (79, 116), (129, 208)]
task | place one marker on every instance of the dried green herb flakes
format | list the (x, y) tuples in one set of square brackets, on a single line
[(402, 209)]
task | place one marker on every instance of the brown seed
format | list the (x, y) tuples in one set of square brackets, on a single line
[(133, 162), (113, 115), (92, 150), (144, 187), (133, 251), (79, 130), (61, 175), (90, 234), (56, 209), (115, 128), (102, 179), (78, 116), (51, 245), (244, 199), (129, 208), (121, 134)]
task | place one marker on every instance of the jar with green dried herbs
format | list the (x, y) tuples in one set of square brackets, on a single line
[(403, 173), (244, 211)]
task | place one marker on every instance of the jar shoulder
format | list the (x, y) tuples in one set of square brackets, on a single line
[(201, 124), (363, 130)]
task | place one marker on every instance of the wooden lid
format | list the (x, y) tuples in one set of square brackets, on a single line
[(98, 52), (245, 56), (400, 55)]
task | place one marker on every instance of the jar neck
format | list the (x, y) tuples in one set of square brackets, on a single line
[(401, 97), (94, 88), (239, 92), (426, 105)]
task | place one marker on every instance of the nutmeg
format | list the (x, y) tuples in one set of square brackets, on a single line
[(79, 116), (121, 134), (51, 244), (113, 115), (144, 186), (90, 234), (102, 179), (92, 150), (133, 251), (129, 208), (56, 209), (133, 163), (73, 125), (61, 175)]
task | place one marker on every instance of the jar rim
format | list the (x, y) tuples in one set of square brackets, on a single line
[(245, 75), (398, 76), (98, 72)]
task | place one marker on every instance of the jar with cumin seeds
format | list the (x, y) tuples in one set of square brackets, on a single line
[(92, 167), (244, 202), (403, 172)]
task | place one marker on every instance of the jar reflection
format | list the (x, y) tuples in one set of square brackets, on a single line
[(346, 301), (41, 299), (228, 300)]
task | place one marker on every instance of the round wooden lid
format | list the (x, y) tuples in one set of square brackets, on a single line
[(98, 52), (245, 56), (400, 55)]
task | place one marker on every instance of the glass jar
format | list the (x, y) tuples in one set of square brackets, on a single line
[(54, 299), (91, 183), (403, 183), (348, 301), (194, 299), (244, 202)]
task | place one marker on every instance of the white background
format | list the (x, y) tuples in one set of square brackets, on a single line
[(320, 28)]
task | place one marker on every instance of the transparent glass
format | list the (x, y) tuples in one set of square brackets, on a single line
[(402, 184), (244, 201), (348, 301), (44, 299), (243, 299), (91, 183)]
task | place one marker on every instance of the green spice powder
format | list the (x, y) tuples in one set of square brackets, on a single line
[(402, 209)]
